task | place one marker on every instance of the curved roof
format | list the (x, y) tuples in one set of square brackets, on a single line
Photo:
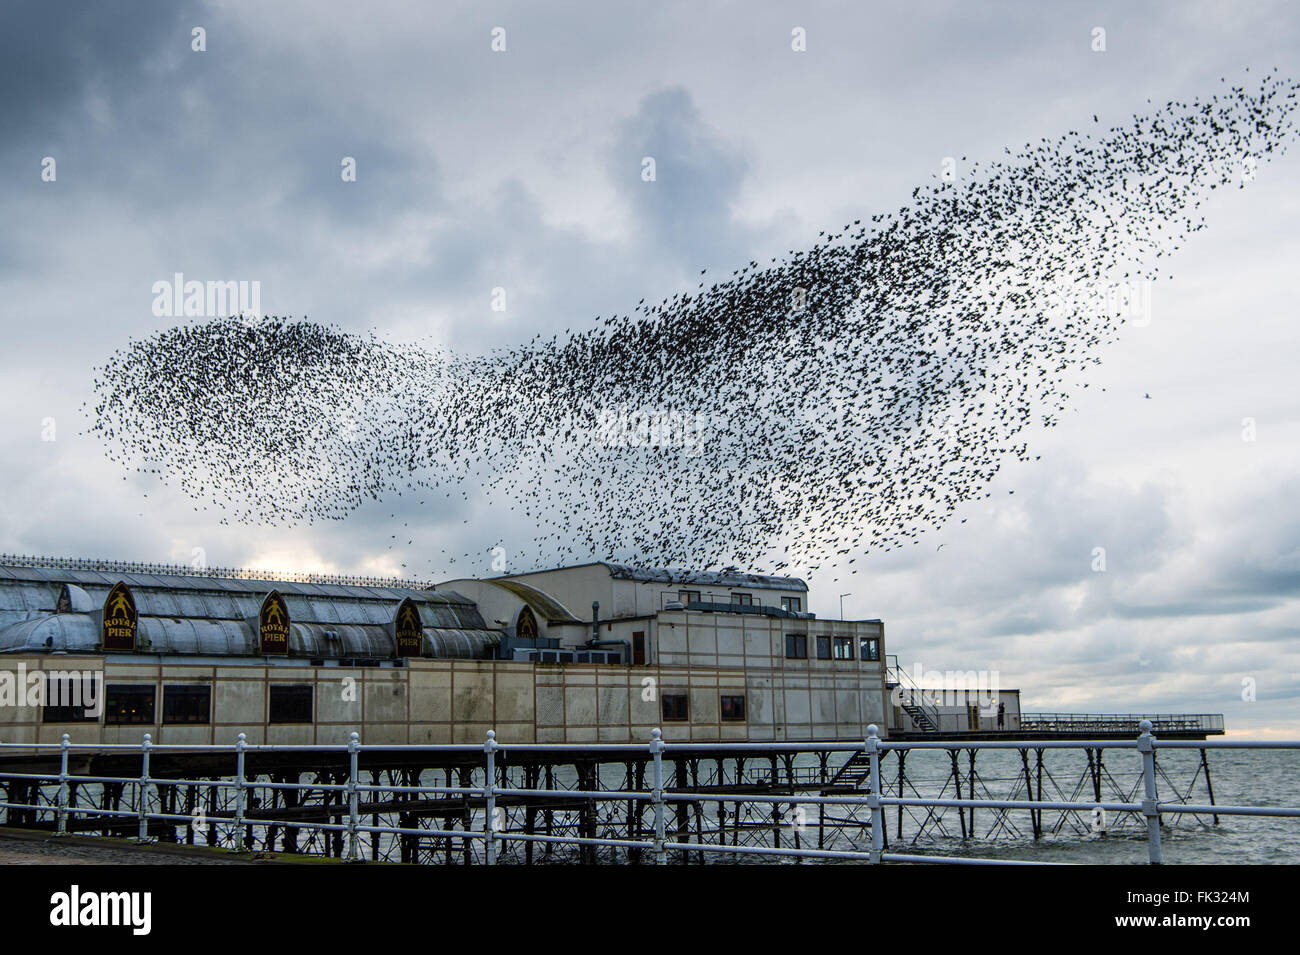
[(216, 616), (78, 633), (551, 609), (33, 591)]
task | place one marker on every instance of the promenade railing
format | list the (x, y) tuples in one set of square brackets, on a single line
[(657, 843)]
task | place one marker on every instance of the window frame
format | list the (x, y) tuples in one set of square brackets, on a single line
[(685, 699), (68, 714), (823, 648), (187, 690), (128, 690), (802, 646), (735, 717), (842, 648), (282, 687), (792, 604), (869, 649)]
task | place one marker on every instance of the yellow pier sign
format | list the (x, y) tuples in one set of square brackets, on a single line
[(409, 629), (273, 625), (120, 622)]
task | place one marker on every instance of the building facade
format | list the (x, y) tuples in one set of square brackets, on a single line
[(595, 653)]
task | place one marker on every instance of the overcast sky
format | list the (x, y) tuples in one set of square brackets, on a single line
[(522, 169)]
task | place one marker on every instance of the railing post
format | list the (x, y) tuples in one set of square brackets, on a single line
[(62, 828), (142, 794), (354, 751), (1147, 747), (657, 746), (238, 845), (489, 798), (872, 746)]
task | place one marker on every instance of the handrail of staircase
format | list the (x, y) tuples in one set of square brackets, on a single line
[(916, 696)]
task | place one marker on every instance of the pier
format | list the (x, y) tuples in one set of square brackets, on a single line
[(660, 802)]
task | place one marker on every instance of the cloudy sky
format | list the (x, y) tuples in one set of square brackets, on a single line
[(522, 169)]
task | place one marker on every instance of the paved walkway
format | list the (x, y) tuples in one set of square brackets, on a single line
[(24, 847)]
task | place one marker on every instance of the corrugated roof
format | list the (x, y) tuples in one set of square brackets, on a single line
[(189, 614), (706, 578)]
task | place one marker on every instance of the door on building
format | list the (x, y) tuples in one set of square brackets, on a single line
[(638, 648)]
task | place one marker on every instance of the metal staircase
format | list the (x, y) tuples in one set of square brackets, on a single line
[(852, 775), (911, 700), (856, 771)]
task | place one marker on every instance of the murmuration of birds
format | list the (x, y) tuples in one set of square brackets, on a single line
[(835, 402)]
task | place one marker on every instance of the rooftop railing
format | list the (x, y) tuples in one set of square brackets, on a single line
[(184, 570), (657, 841), (1119, 722)]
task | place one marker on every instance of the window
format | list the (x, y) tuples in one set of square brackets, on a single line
[(638, 648), (843, 648), (823, 648), (871, 648), (290, 703), (733, 708), (675, 707), (187, 703), (129, 703), (796, 646), (72, 700), (792, 604), (688, 596), (744, 600)]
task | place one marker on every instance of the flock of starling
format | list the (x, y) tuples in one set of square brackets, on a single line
[(800, 414)]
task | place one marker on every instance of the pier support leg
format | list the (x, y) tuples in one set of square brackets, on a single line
[(956, 779), (902, 781), (1039, 797), (1029, 793), (970, 788), (1209, 785)]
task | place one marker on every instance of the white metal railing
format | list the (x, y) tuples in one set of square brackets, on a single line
[(658, 797)]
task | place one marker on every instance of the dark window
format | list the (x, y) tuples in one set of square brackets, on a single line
[(676, 707), (843, 648), (72, 699), (733, 707), (129, 703), (796, 646), (290, 703), (638, 648), (744, 600), (688, 596), (823, 648), (187, 703), (792, 604), (871, 648)]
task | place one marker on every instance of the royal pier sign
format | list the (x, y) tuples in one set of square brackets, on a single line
[(408, 630), (119, 622), (273, 625)]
